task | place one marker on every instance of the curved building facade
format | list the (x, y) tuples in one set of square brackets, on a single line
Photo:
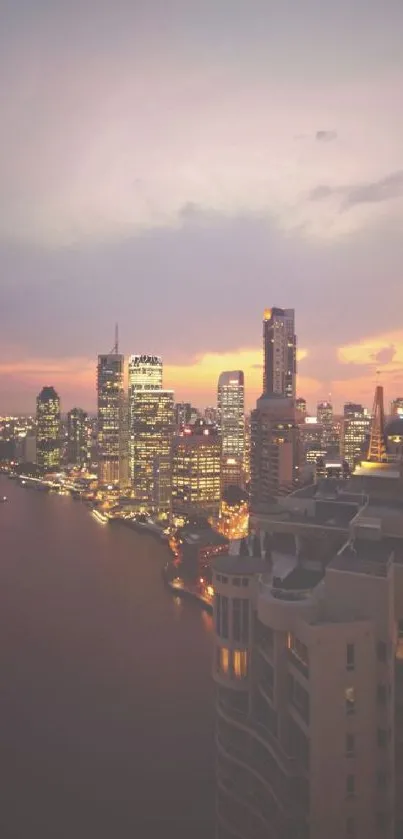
[(304, 668)]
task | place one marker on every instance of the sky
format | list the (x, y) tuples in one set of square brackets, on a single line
[(177, 166)]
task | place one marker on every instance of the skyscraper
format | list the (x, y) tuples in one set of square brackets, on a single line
[(231, 423), (151, 428), (196, 471), (77, 437), (151, 434), (112, 421), (145, 373), (324, 414), (279, 352), (48, 443), (274, 454), (356, 430)]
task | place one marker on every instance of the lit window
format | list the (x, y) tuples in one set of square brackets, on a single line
[(349, 697), (240, 664), (224, 660)]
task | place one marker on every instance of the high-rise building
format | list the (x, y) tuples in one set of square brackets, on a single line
[(48, 442), (151, 429), (396, 407), (145, 373), (355, 434), (151, 434), (279, 352), (183, 414), (308, 670), (196, 471), (300, 405), (77, 437), (325, 419), (112, 420), (231, 424), (274, 449)]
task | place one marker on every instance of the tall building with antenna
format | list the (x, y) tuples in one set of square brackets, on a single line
[(112, 419)]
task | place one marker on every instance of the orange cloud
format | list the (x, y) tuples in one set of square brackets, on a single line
[(380, 354), (195, 381), (198, 380)]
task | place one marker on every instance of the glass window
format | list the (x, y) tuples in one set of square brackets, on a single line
[(350, 745), (350, 657), (349, 698), (236, 581), (224, 617), (245, 621), (224, 660), (350, 785), (236, 619), (240, 664), (245, 581), (218, 614)]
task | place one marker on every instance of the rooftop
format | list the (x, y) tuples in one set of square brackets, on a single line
[(229, 564), (364, 556), (203, 537)]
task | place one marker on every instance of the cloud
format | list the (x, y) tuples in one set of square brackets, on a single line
[(326, 136), (385, 350), (385, 355), (385, 189), (374, 192)]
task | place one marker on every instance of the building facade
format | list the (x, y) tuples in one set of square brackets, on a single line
[(279, 352), (231, 424), (307, 668), (112, 421), (196, 471), (77, 437), (151, 435), (355, 433), (48, 430), (274, 449)]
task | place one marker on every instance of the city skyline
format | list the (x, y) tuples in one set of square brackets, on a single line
[(171, 172)]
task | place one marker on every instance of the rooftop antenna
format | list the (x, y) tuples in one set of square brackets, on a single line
[(115, 348)]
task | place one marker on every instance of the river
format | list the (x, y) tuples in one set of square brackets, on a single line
[(106, 699)]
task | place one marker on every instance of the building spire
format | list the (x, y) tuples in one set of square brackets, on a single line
[(377, 445), (115, 349)]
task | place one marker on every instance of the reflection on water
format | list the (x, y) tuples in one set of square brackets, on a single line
[(107, 702)]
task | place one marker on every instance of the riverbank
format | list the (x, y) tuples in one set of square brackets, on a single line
[(186, 590)]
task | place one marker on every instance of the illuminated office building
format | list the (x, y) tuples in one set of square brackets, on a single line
[(300, 405), (330, 439), (77, 437), (183, 414), (48, 442), (355, 434), (145, 373), (231, 424), (196, 471), (279, 352), (396, 407), (151, 434), (151, 429), (112, 420)]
